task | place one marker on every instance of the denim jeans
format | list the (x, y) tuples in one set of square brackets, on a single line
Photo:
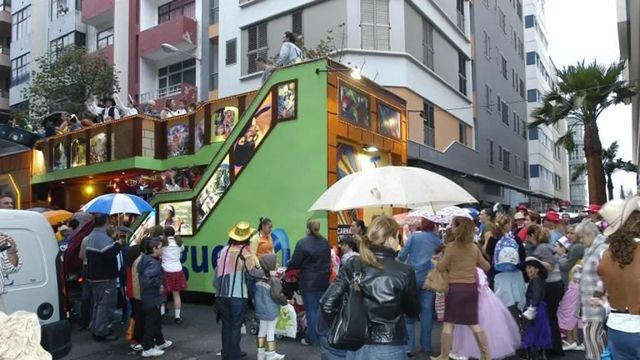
[(105, 300), (311, 301), (231, 312), (85, 304), (330, 353), (427, 301), (624, 346), (378, 352)]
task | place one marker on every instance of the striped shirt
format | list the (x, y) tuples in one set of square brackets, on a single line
[(590, 280)]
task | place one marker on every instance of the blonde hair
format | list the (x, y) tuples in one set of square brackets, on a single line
[(380, 230), (313, 228), (464, 230), (503, 223)]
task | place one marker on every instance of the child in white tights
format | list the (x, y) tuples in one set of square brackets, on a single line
[(268, 299)]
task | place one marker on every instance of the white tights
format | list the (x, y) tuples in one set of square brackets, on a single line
[(267, 329)]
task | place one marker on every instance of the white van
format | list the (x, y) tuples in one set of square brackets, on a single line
[(36, 286)]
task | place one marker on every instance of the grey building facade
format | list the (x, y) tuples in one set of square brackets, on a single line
[(578, 187)]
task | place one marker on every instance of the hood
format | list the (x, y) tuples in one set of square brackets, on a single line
[(268, 262)]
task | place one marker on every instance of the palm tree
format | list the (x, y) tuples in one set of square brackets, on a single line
[(584, 92), (610, 164)]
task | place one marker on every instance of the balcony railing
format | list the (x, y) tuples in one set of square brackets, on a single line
[(213, 82), (4, 50), (176, 8), (4, 94), (156, 94)]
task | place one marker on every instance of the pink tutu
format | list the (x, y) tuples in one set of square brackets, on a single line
[(569, 308), (496, 321)]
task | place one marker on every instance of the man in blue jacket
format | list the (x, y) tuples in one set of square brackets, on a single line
[(421, 246), (102, 273)]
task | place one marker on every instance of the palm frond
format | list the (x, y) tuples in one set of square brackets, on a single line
[(578, 170), (566, 141)]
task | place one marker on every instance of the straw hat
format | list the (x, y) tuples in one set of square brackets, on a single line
[(241, 232), (542, 266), (616, 212)]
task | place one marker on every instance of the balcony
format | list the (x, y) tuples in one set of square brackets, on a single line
[(97, 12), (182, 91), (5, 61), (180, 31), (4, 99)]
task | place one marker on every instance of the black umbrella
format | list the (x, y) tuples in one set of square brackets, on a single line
[(54, 117)]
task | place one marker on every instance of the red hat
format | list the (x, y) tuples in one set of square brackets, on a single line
[(552, 216), (593, 208)]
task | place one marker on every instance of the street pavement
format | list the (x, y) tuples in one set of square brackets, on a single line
[(198, 337)]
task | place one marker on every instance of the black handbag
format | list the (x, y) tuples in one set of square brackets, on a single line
[(349, 330)]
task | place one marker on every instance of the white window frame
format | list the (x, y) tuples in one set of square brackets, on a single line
[(377, 26)]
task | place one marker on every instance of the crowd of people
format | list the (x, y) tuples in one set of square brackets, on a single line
[(516, 284)]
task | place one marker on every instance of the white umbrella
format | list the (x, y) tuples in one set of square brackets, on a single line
[(442, 216), (395, 186)]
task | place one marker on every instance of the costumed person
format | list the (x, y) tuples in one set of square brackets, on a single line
[(174, 279), (495, 319), (290, 53), (536, 337), (268, 298), (569, 311)]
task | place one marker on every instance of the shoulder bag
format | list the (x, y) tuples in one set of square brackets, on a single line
[(437, 281), (349, 330)]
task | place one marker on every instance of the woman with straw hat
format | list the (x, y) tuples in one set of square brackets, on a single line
[(234, 262)]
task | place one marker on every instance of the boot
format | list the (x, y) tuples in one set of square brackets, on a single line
[(483, 344), (445, 346), (271, 353), (261, 349)]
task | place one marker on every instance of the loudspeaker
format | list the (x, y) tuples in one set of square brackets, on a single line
[(18, 136)]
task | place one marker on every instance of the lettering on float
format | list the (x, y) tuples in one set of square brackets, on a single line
[(201, 259)]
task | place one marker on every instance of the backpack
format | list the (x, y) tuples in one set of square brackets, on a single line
[(506, 255)]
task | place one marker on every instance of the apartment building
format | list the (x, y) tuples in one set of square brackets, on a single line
[(421, 50), (5, 60), (577, 187), (548, 162), (499, 86), (629, 39), (154, 45)]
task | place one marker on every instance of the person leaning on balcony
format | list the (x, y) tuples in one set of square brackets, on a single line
[(169, 109), (290, 53), (263, 65), (126, 110)]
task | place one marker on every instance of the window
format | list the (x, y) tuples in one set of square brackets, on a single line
[(531, 58), (499, 153), (5, 5), (427, 43), (529, 22), (296, 23), (505, 113), (557, 181), (374, 24), (21, 24), (504, 68), (522, 88), (230, 52), (534, 171), (213, 65), (428, 124), (515, 122), (532, 95), (105, 38), (21, 69), (506, 160), (460, 18), (73, 38), (523, 129), (513, 78), (488, 97), (487, 45), (59, 8), (171, 77), (556, 152), (502, 21), (519, 9), (578, 193), (176, 8), (257, 46), (490, 152), (533, 134), (462, 73), (462, 134), (499, 103), (214, 14)]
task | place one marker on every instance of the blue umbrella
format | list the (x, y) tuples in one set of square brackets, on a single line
[(117, 204), (281, 242)]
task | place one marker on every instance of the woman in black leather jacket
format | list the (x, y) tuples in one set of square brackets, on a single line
[(389, 291)]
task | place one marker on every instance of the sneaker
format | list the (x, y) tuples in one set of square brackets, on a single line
[(455, 356), (569, 346), (243, 354), (304, 342), (167, 344), (579, 347), (152, 352), (178, 321), (136, 347), (272, 355)]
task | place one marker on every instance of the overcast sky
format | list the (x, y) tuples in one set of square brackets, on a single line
[(587, 29)]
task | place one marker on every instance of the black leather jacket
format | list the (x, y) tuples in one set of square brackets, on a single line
[(390, 293)]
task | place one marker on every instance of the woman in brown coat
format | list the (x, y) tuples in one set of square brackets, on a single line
[(461, 257)]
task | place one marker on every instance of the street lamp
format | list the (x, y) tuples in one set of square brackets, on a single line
[(353, 72), (168, 48)]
